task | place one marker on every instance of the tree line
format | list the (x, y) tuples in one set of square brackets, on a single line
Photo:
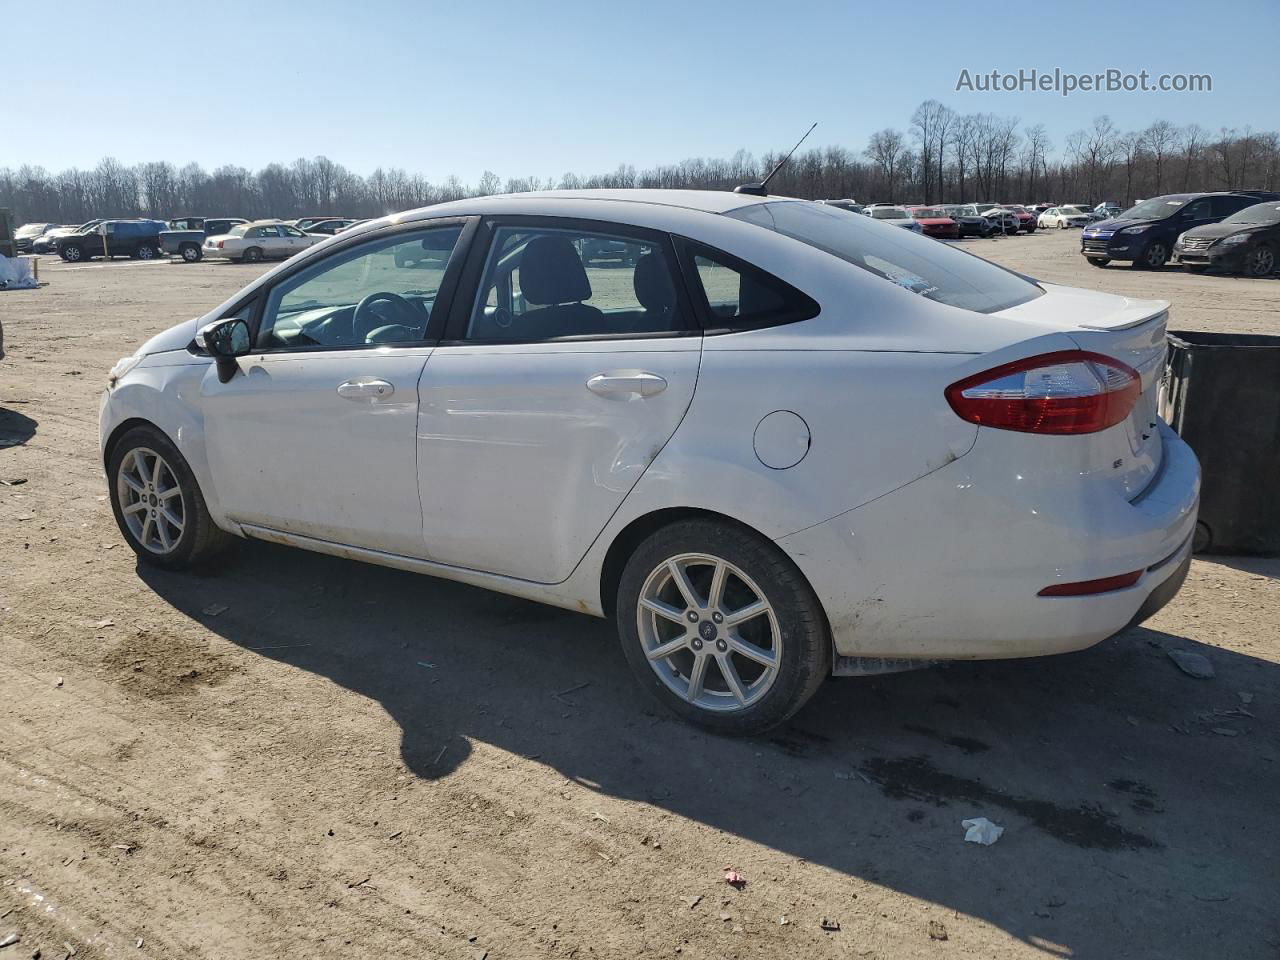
[(942, 157)]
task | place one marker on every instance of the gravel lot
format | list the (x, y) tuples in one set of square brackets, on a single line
[(298, 756)]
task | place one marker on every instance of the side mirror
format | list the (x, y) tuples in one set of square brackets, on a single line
[(225, 340)]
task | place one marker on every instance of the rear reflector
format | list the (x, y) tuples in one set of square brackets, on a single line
[(1086, 587), (1066, 392)]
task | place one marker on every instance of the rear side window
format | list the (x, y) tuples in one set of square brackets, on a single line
[(914, 262), (738, 296)]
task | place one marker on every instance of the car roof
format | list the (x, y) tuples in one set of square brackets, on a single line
[(706, 201)]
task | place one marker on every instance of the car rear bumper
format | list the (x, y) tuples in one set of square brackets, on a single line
[(950, 566)]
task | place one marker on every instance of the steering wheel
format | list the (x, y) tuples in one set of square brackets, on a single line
[(365, 320)]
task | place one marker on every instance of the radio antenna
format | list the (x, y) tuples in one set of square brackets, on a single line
[(761, 189)]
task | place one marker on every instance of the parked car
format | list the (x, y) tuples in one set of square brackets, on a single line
[(1246, 242), (305, 222), (1108, 209), (1145, 234), (851, 205), (1063, 217), (47, 242), (328, 227), (970, 222), (186, 235), (688, 456), (261, 240), (1004, 219), (935, 223), (112, 238), (26, 234), (1026, 219), (898, 216)]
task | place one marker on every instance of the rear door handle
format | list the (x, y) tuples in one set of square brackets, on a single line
[(365, 388), (625, 383)]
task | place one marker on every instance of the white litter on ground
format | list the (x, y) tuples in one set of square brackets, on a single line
[(981, 830), (15, 274)]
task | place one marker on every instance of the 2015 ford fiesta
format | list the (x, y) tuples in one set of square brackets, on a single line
[(774, 439)]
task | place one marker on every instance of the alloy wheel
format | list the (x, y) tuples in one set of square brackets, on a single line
[(1262, 262), (1156, 255), (151, 501), (709, 632)]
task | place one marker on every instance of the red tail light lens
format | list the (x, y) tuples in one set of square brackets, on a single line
[(1067, 392), (220, 242)]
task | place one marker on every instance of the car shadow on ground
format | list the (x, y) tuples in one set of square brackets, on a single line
[(15, 428), (1139, 802), (1259, 566)]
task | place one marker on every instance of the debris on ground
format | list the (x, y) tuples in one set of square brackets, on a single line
[(783, 921), (213, 609), (692, 901), (10, 940), (13, 481), (1192, 664), (937, 930), (831, 926), (58, 682), (734, 879), (102, 624), (981, 830)]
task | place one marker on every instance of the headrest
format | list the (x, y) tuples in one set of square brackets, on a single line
[(653, 286), (551, 272)]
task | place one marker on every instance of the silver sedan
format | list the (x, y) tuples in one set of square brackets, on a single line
[(261, 240)]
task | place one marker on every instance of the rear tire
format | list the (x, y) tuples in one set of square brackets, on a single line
[(191, 253), (160, 509), (145, 251), (252, 255), (756, 672)]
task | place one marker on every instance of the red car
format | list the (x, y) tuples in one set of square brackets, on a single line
[(1026, 221), (935, 223)]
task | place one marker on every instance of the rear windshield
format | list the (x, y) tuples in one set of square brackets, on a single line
[(31, 230), (239, 229), (887, 213), (914, 262)]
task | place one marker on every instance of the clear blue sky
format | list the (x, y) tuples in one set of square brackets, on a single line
[(539, 88)]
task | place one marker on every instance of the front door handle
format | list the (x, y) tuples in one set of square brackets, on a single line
[(628, 382), (365, 388)]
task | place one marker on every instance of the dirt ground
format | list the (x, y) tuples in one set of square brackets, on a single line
[(299, 756)]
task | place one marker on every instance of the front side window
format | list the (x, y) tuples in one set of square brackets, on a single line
[(549, 283), (381, 292), (291, 231), (914, 262)]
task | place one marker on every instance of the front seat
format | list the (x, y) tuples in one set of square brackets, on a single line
[(654, 291), (552, 277)]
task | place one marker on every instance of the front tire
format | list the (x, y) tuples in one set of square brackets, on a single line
[(1099, 261), (1155, 256), (158, 504), (71, 253), (722, 627), (1261, 262)]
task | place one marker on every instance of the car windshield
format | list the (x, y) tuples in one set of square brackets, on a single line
[(1015, 208), (914, 262), (1268, 212), (890, 213), (1072, 211), (928, 213), (30, 230), (1157, 208)]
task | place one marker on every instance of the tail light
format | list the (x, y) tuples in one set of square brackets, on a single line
[(1087, 588), (220, 243), (1067, 392)]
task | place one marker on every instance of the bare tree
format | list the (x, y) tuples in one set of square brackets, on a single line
[(885, 150)]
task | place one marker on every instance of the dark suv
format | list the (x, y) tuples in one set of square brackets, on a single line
[(1145, 234), (113, 238)]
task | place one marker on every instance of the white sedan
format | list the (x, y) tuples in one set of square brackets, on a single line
[(1063, 217), (895, 216), (773, 441), (260, 240)]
